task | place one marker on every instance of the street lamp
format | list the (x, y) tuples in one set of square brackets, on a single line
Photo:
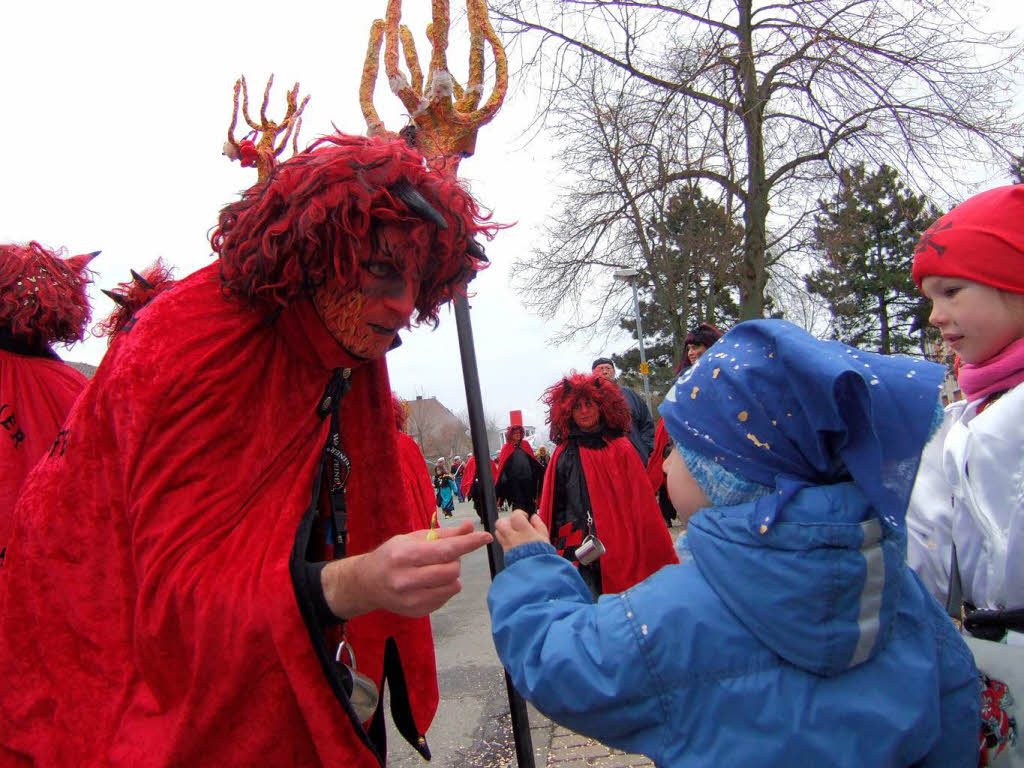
[(629, 275)]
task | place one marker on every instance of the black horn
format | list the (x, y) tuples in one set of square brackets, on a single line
[(117, 298), (141, 280), (417, 203), (476, 250)]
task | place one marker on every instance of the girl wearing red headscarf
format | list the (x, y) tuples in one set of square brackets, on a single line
[(595, 492), (966, 517)]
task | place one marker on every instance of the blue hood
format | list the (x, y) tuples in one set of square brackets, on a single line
[(819, 587)]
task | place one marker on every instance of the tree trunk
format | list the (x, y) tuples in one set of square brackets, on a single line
[(752, 276)]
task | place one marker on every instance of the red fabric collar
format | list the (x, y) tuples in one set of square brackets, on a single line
[(301, 326)]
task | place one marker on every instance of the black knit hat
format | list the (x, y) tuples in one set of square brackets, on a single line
[(602, 361)]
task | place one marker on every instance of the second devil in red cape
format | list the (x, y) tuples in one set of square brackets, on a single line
[(595, 485)]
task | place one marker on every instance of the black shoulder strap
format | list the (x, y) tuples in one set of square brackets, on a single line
[(955, 593)]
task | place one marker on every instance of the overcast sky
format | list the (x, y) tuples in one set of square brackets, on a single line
[(114, 115)]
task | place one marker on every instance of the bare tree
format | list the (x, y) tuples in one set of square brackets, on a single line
[(615, 209), (783, 92)]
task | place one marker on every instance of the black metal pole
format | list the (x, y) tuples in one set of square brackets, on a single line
[(495, 557)]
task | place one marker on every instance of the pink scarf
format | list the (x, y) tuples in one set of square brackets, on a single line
[(997, 374)]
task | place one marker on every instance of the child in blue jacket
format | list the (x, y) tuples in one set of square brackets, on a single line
[(792, 632)]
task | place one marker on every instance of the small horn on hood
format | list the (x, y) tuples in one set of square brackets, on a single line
[(141, 280), (81, 261), (474, 249), (417, 203), (117, 298)]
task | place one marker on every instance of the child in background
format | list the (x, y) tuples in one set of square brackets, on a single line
[(792, 632), (970, 489), (444, 488)]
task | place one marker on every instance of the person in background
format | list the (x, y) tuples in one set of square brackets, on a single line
[(415, 474), (698, 341), (444, 487), (471, 485), (595, 491), (641, 431), (457, 469), (42, 302), (792, 632), (543, 457), (519, 473)]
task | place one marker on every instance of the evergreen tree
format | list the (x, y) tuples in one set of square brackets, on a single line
[(867, 233), (691, 279), (1017, 169)]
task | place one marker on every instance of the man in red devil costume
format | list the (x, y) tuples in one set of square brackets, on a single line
[(42, 302), (227, 505), (596, 488), (519, 474)]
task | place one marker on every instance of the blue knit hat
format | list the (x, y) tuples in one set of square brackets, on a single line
[(722, 487)]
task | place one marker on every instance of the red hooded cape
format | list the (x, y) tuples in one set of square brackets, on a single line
[(656, 461), (469, 474), (416, 477), (626, 515), (148, 612), (36, 394)]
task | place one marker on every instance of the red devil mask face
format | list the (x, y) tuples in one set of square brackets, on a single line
[(366, 320), (586, 415)]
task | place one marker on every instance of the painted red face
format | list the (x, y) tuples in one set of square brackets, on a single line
[(365, 320), (586, 416)]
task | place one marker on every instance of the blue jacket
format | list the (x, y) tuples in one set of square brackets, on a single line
[(812, 644)]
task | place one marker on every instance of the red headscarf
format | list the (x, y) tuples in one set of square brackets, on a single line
[(982, 239)]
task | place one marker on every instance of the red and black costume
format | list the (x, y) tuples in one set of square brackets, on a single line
[(596, 485), (519, 474), (656, 471), (42, 301), (161, 598), (470, 485)]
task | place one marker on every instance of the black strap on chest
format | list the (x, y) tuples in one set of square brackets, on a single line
[(334, 463)]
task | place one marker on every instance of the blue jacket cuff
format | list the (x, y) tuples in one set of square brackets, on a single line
[(528, 550)]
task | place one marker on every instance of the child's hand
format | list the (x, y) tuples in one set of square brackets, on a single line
[(519, 529)]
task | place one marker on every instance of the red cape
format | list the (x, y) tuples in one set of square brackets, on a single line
[(626, 515), (506, 451), (416, 476), (36, 394), (656, 461), (470, 474), (148, 611)]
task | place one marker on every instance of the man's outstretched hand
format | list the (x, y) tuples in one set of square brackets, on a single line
[(407, 574), (519, 529)]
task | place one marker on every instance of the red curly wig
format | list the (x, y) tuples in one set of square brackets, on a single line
[(134, 295), (312, 218), (42, 296), (401, 411), (563, 397), (511, 430)]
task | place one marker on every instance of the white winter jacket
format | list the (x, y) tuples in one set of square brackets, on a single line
[(970, 488)]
